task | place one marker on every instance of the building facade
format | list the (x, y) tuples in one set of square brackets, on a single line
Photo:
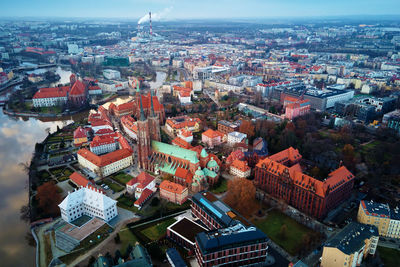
[(88, 201), (281, 176), (173, 192)]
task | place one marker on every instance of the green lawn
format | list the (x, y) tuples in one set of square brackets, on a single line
[(221, 188), (121, 177), (271, 226), (113, 186), (127, 237), (158, 230), (389, 256), (62, 178)]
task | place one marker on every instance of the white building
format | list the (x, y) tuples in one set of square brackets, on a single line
[(111, 74), (185, 97), (74, 49), (236, 137), (106, 164), (88, 201), (240, 169), (113, 86), (197, 86), (49, 97), (101, 145), (138, 184)]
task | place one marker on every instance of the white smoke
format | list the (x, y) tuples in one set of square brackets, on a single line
[(155, 16)]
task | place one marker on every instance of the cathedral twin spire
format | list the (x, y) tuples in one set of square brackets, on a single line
[(152, 113)]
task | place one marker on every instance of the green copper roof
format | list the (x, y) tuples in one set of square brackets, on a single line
[(209, 173), (175, 151), (199, 172), (168, 168), (203, 153), (212, 163)]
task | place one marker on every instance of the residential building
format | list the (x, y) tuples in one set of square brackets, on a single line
[(350, 246), (227, 127), (175, 124), (130, 126), (80, 136), (236, 137), (139, 183), (88, 201), (103, 144), (212, 138), (106, 164), (240, 169), (183, 232), (296, 109), (111, 74), (281, 176), (185, 135), (173, 192), (387, 220)]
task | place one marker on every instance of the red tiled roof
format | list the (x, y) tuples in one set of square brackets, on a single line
[(143, 179), (77, 89), (181, 143), (102, 140), (104, 131), (143, 197), (78, 179), (287, 154), (172, 187), (240, 165), (79, 133), (106, 159), (210, 133), (184, 174), (51, 92)]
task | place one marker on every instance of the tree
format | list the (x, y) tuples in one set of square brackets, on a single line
[(248, 128), (49, 198), (348, 155), (242, 196), (117, 239)]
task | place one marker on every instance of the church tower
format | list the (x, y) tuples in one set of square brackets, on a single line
[(154, 122), (144, 141)]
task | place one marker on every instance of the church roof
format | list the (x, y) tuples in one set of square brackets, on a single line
[(212, 163), (175, 151), (77, 89)]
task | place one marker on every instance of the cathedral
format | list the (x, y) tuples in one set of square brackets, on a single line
[(194, 167)]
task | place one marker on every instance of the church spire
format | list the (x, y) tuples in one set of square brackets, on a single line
[(137, 87), (152, 106), (142, 116)]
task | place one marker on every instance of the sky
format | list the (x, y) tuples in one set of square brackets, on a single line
[(197, 9)]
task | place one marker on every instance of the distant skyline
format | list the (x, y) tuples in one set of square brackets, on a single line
[(189, 9)]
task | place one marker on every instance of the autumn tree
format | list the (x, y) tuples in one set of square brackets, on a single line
[(48, 198), (348, 156), (242, 196), (248, 128)]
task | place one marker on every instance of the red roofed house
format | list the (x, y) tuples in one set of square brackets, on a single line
[(130, 126), (240, 169), (103, 144), (138, 184), (106, 164), (212, 138), (173, 192), (236, 154), (183, 177), (146, 195), (281, 176), (80, 136), (181, 143), (173, 125), (79, 180), (186, 135), (75, 94), (123, 109)]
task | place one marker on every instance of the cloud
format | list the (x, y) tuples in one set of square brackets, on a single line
[(156, 16)]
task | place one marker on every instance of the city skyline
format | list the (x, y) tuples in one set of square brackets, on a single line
[(179, 9)]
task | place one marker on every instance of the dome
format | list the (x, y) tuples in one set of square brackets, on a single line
[(199, 172), (212, 163), (203, 153)]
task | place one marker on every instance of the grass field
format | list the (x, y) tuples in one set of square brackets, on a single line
[(113, 186), (271, 226), (121, 177), (127, 237), (158, 230), (389, 256), (221, 188)]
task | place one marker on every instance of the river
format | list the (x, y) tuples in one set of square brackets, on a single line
[(17, 141)]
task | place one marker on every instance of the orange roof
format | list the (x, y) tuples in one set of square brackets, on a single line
[(143, 179), (51, 92), (172, 187), (182, 122), (106, 159), (184, 174), (78, 179), (285, 155), (125, 107), (186, 133), (210, 133), (102, 140), (77, 89), (240, 165), (79, 133), (147, 104), (181, 143)]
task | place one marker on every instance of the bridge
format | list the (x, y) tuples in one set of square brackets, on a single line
[(34, 67)]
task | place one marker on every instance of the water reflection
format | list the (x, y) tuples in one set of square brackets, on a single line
[(17, 140)]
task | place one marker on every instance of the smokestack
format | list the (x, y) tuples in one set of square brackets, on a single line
[(151, 27)]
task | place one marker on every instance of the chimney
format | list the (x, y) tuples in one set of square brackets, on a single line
[(151, 27)]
